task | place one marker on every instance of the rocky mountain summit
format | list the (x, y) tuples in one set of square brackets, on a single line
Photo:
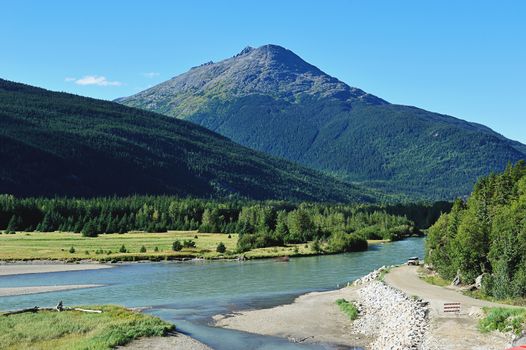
[(268, 70)]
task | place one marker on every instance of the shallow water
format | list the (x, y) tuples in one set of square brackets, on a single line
[(189, 293)]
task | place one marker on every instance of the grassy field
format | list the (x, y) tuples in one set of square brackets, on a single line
[(106, 247), (57, 245), (73, 330)]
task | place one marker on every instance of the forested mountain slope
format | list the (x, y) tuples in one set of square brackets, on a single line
[(271, 100), (60, 144)]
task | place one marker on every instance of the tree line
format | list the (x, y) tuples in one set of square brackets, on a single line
[(485, 235), (339, 227)]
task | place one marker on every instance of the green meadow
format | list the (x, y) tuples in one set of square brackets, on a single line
[(74, 330)]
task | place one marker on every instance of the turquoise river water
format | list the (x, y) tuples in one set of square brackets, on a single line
[(190, 293)]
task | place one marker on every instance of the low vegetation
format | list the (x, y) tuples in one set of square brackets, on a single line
[(503, 320), (436, 280), (73, 330), (348, 308)]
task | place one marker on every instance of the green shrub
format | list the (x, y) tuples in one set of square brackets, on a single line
[(503, 319), (341, 242), (177, 246), (221, 248), (348, 308), (188, 243), (72, 250), (143, 249), (123, 249), (316, 246)]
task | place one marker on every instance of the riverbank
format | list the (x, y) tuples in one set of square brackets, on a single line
[(175, 341), (12, 291), (136, 246), (401, 312), (38, 266), (91, 327), (311, 318)]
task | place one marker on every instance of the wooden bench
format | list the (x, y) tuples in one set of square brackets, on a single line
[(451, 307)]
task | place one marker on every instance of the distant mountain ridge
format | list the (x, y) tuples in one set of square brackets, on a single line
[(55, 143), (271, 100)]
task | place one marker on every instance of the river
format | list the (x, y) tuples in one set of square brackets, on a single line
[(190, 293)]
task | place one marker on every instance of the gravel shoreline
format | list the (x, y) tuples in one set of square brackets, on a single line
[(177, 341), (395, 320), (9, 269), (12, 291)]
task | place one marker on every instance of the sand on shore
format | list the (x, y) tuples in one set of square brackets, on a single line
[(12, 291), (20, 269), (177, 341), (311, 318)]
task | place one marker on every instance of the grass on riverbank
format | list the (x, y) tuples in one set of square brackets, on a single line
[(24, 246), (106, 247), (73, 330), (348, 308), (503, 319)]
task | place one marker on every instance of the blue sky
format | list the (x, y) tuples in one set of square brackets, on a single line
[(463, 58)]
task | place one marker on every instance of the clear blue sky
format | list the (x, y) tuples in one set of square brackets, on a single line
[(463, 58)]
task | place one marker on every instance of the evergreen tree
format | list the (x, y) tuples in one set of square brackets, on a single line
[(90, 230), (221, 248)]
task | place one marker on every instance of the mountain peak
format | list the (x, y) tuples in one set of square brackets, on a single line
[(246, 50), (269, 70)]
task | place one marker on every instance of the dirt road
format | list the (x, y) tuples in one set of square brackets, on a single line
[(406, 279), (448, 331)]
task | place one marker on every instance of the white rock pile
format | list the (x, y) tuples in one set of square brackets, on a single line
[(372, 276), (397, 321)]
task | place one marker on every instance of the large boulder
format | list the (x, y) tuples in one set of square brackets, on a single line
[(478, 281), (456, 281)]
